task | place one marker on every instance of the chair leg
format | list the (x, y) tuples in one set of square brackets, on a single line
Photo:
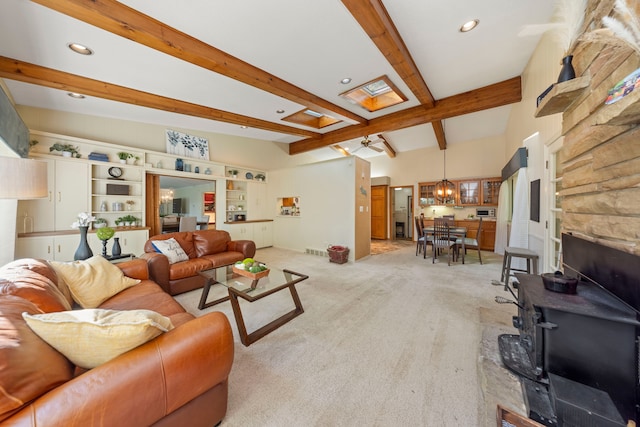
[(480, 255)]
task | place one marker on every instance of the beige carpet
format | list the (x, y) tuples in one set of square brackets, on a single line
[(390, 340)]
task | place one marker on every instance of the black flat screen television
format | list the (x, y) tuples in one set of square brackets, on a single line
[(178, 206)]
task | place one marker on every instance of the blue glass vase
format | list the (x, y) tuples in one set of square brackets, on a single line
[(179, 165)]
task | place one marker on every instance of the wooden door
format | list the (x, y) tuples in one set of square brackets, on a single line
[(379, 211)]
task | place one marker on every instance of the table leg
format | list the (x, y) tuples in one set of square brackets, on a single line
[(248, 339), (205, 293)]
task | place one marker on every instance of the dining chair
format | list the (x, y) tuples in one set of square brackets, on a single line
[(472, 242), (420, 231), (188, 223), (442, 238)]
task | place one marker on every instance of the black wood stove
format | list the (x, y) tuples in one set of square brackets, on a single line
[(577, 354)]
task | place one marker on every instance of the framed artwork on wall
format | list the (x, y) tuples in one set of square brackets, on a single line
[(182, 144)]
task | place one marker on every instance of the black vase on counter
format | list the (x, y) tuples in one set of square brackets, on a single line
[(179, 165), (116, 250)]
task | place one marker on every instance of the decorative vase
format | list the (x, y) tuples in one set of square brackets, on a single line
[(84, 250), (116, 250), (104, 248), (179, 165), (567, 72)]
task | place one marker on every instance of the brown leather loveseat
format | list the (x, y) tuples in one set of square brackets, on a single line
[(177, 378), (205, 249)]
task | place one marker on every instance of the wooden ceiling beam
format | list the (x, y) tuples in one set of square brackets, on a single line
[(492, 96), (387, 147), (438, 130), (13, 69), (376, 22), (119, 19)]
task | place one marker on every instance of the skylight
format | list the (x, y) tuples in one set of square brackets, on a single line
[(375, 95)]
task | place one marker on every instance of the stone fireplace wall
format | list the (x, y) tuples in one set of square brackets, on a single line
[(601, 150)]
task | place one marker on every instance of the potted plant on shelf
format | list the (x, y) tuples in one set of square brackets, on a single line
[(259, 177), (67, 150), (130, 204), (123, 156), (99, 223), (233, 173)]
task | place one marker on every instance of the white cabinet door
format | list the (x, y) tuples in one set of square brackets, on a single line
[(241, 231), (132, 242), (72, 192), (263, 234), (68, 183), (40, 212), (257, 201), (56, 248)]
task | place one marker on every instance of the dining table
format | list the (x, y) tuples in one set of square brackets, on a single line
[(456, 231)]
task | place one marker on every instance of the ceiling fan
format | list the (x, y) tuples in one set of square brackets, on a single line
[(367, 143)]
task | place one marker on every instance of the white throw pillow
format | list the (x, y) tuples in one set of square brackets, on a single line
[(171, 249), (93, 280), (92, 337)]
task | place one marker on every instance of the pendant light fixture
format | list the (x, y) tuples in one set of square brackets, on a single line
[(445, 189)]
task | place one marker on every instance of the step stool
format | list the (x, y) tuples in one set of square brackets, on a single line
[(512, 252)]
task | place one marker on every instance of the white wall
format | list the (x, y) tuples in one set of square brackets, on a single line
[(233, 150), (327, 197), (524, 129)]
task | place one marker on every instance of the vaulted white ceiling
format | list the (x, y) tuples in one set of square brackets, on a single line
[(311, 45)]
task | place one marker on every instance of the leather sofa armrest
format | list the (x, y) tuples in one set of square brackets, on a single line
[(136, 269), (247, 247), (158, 266), (143, 385)]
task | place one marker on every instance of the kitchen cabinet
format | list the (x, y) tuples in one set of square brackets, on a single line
[(491, 191), (488, 236), (68, 182), (427, 191), (53, 248), (469, 193)]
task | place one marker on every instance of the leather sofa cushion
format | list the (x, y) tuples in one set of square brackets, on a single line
[(29, 367), (93, 280), (224, 258), (184, 238), (209, 242), (189, 268), (92, 337), (35, 281), (145, 295)]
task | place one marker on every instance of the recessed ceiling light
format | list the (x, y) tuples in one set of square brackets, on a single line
[(469, 25), (79, 48), (346, 81), (76, 95), (243, 127), (280, 111)]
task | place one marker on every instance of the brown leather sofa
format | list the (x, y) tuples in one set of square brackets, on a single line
[(205, 248), (178, 378)]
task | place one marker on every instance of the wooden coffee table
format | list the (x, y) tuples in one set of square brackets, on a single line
[(241, 287)]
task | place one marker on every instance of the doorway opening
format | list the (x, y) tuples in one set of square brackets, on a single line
[(401, 217)]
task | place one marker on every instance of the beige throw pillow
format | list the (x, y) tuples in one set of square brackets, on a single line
[(92, 337), (171, 249), (93, 281)]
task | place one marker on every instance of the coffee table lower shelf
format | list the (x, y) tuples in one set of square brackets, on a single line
[(251, 294)]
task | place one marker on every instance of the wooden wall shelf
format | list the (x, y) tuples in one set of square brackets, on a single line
[(562, 96)]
